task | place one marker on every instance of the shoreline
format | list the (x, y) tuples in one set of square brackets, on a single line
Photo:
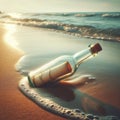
[(13, 104), (66, 32)]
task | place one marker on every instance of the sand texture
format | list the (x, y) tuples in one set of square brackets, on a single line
[(13, 104)]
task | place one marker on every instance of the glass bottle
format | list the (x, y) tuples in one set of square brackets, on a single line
[(61, 67)]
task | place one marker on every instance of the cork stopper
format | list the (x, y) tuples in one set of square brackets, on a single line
[(96, 48)]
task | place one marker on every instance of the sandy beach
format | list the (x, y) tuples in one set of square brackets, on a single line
[(13, 104), (100, 96)]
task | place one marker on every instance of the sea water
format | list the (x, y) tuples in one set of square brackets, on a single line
[(93, 25)]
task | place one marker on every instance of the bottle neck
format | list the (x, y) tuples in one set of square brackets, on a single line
[(82, 56)]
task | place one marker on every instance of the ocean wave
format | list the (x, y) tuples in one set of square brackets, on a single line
[(5, 16), (79, 30), (69, 14), (84, 15), (53, 14), (117, 15), (85, 30), (63, 14)]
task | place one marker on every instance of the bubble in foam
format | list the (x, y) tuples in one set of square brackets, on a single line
[(90, 116), (27, 90), (22, 84), (96, 117), (77, 110), (49, 105), (68, 112)]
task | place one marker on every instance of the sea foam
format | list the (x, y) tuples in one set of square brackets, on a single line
[(35, 94)]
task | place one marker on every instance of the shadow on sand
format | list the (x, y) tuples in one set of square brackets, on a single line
[(66, 97), (69, 96)]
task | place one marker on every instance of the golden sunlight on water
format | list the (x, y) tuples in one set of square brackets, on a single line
[(15, 15), (9, 36)]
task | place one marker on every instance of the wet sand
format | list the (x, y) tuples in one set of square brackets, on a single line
[(101, 96), (47, 45), (13, 104)]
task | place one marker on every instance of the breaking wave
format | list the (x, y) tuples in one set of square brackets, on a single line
[(111, 15), (84, 30)]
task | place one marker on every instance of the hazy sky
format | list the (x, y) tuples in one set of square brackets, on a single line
[(59, 5)]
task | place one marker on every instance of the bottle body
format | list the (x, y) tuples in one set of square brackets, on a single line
[(61, 67), (57, 65)]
